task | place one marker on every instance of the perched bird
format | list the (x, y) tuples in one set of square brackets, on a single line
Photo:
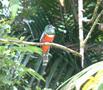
[(47, 36)]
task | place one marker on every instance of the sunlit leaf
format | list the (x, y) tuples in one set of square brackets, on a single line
[(35, 74), (31, 49), (14, 6), (34, 49), (91, 4), (2, 48), (100, 87)]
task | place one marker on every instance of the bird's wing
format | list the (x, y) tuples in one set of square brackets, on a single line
[(42, 36)]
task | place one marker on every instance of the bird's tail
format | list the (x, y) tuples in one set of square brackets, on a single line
[(45, 62)]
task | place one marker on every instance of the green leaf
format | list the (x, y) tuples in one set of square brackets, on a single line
[(2, 48), (31, 49), (15, 88), (91, 4), (14, 6), (34, 74), (100, 87), (38, 88), (35, 49)]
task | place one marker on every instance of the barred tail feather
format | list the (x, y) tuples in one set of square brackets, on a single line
[(45, 62)]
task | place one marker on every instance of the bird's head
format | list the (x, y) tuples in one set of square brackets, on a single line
[(50, 30)]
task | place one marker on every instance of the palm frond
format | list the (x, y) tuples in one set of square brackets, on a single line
[(77, 81)]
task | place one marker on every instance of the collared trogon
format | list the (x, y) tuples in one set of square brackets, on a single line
[(47, 36)]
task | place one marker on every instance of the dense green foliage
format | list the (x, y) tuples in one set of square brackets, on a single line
[(20, 65)]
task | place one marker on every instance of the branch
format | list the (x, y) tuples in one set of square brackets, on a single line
[(81, 36), (95, 10), (92, 28), (40, 44)]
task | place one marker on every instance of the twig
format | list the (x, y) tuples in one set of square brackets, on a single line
[(28, 24), (40, 44), (81, 37), (92, 28), (95, 10)]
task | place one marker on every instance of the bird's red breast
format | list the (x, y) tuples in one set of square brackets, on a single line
[(46, 38)]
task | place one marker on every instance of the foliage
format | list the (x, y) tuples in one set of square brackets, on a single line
[(89, 78), (14, 73), (25, 20)]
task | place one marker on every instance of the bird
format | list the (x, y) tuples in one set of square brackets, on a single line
[(47, 36)]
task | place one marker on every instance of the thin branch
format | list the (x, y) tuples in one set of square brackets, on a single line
[(40, 44), (95, 10), (27, 22), (81, 36), (92, 28)]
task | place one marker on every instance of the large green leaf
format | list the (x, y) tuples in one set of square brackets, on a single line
[(79, 79)]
